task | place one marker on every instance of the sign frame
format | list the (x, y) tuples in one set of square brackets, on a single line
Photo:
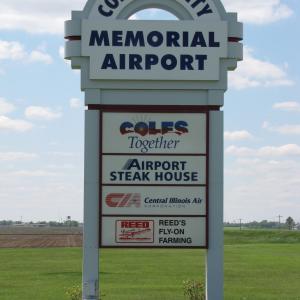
[(165, 94), (166, 109)]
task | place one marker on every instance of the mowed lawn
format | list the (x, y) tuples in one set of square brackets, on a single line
[(254, 270)]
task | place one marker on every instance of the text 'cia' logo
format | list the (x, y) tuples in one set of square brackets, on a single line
[(123, 200), (152, 128)]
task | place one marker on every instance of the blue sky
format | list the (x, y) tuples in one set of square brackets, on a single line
[(41, 113)]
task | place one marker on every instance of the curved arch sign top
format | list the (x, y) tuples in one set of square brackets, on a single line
[(197, 47), (183, 9)]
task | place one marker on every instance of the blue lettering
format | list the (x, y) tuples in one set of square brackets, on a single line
[(201, 59), (126, 127), (134, 39), (150, 60), (113, 4), (172, 39), (122, 62), (212, 42), (181, 127), (113, 176), (155, 39), (186, 62), (206, 10), (109, 62), (103, 12), (117, 38), (198, 40), (185, 39), (135, 61), (169, 62), (96, 39)]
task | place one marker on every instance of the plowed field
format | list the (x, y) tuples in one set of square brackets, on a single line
[(40, 238)]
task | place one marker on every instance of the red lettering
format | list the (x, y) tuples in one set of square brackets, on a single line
[(135, 224), (123, 200), (112, 200)]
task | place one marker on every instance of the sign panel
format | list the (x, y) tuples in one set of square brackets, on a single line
[(154, 50), (153, 232), (129, 200), (135, 169), (153, 179), (146, 133)]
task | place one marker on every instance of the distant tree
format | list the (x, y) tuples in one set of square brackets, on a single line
[(71, 223), (55, 224), (290, 223), (6, 222)]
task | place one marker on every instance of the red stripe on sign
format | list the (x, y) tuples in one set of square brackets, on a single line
[(232, 39), (73, 38)]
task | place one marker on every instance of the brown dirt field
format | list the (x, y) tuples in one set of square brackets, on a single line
[(40, 237)]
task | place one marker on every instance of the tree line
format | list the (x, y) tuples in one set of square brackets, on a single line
[(66, 223), (289, 224)]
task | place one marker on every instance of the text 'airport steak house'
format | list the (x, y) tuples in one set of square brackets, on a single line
[(147, 170)]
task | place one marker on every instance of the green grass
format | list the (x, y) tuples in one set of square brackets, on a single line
[(258, 236), (253, 270)]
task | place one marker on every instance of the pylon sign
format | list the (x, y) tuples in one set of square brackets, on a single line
[(154, 126), (112, 50), (154, 179)]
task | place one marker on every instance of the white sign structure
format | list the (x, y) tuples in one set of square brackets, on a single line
[(139, 179), (143, 200), (153, 170), (153, 127), (152, 49), (143, 133), (154, 231)]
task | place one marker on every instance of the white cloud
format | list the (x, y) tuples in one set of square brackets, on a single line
[(13, 50), (239, 151), (258, 11), (267, 151), (60, 154), (5, 106), (292, 106), (134, 17), (33, 173), (14, 125), (13, 156), (282, 129), (153, 14), (61, 52), (273, 186), (36, 16), (47, 16), (10, 124), (253, 72), (75, 103), (41, 113), (288, 129), (237, 135), (38, 56), (285, 150)]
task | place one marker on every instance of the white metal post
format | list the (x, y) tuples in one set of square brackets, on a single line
[(91, 214), (215, 253)]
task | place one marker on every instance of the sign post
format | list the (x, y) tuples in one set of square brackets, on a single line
[(153, 127)]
